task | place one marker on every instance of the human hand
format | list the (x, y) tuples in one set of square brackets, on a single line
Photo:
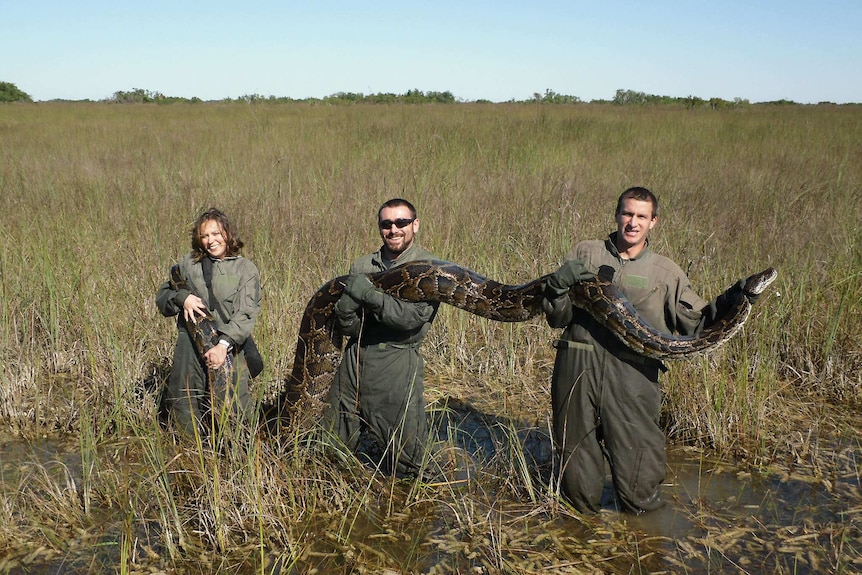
[(751, 297), (359, 287), (347, 304), (737, 289), (192, 306), (555, 306), (216, 356), (558, 309), (570, 273)]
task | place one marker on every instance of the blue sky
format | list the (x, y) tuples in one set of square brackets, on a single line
[(497, 50)]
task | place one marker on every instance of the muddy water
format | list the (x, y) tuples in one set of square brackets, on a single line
[(719, 519), (50, 469), (802, 517), (56, 456)]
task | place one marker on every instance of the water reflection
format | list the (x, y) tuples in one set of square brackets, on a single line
[(58, 456), (718, 518)]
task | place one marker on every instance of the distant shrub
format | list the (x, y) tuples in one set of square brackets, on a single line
[(9, 92)]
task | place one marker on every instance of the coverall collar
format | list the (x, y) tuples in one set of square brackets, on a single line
[(611, 245)]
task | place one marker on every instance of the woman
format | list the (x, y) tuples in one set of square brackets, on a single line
[(232, 297)]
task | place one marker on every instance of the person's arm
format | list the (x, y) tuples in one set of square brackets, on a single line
[(720, 306), (246, 305), (176, 295), (387, 310), (556, 302), (170, 300), (347, 319), (245, 309), (693, 314)]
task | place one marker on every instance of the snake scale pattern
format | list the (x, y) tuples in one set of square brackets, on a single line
[(318, 347), (204, 334)]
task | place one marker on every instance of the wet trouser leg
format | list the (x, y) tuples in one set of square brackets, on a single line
[(394, 407), (634, 442), (382, 391), (341, 413), (187, 393), (189, 397), (596, 398), (574, 399)]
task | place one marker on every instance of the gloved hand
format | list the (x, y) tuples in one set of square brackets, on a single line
[(739, 288), (752, 297), (359, 287), (558, 311), (347, 304), (570, 273)]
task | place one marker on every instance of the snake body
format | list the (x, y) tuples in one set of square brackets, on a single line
[(204, 335), (318, 347)]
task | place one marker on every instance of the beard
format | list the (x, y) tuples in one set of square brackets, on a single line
[(397, 245)]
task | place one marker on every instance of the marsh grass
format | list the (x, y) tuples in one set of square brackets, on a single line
[(96, 205)]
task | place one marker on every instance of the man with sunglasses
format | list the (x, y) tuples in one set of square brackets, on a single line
[(378, 387)]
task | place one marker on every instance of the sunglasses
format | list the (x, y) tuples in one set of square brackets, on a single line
[(399, 223)]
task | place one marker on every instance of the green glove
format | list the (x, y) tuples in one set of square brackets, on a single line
[(359, 287), (347, 304), (732, 292), (752, 297), (570, 273), (558, 311)]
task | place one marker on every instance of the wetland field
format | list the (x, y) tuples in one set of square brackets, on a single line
[(96, 202)]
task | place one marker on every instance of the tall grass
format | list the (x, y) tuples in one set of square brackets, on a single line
[(96, 205)]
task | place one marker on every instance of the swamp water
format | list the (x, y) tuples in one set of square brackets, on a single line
[(804, 519)]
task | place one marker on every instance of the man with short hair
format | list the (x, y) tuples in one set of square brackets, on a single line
[(605, 397), (378, 386)]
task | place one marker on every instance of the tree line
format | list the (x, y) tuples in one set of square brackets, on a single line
[(9, 92)]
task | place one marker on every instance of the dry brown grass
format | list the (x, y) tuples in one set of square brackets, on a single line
[(96, 202)]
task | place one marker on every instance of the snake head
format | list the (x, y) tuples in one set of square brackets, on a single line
[(757, 283)]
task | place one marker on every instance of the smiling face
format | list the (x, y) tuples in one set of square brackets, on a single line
[(635, 219), (397, 239), (212, 239)]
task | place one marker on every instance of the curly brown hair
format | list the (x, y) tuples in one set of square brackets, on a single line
[(232, 240)]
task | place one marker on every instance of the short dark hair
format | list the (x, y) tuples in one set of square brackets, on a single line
[(640, 194), (234, 244), (394, 203)]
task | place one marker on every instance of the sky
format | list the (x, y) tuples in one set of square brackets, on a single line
[(757, 50)]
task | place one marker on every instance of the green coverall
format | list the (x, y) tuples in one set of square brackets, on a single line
[(236, 285), (605, 397), (379, 383)]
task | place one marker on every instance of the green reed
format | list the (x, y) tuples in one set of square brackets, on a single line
[(98, 199)]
